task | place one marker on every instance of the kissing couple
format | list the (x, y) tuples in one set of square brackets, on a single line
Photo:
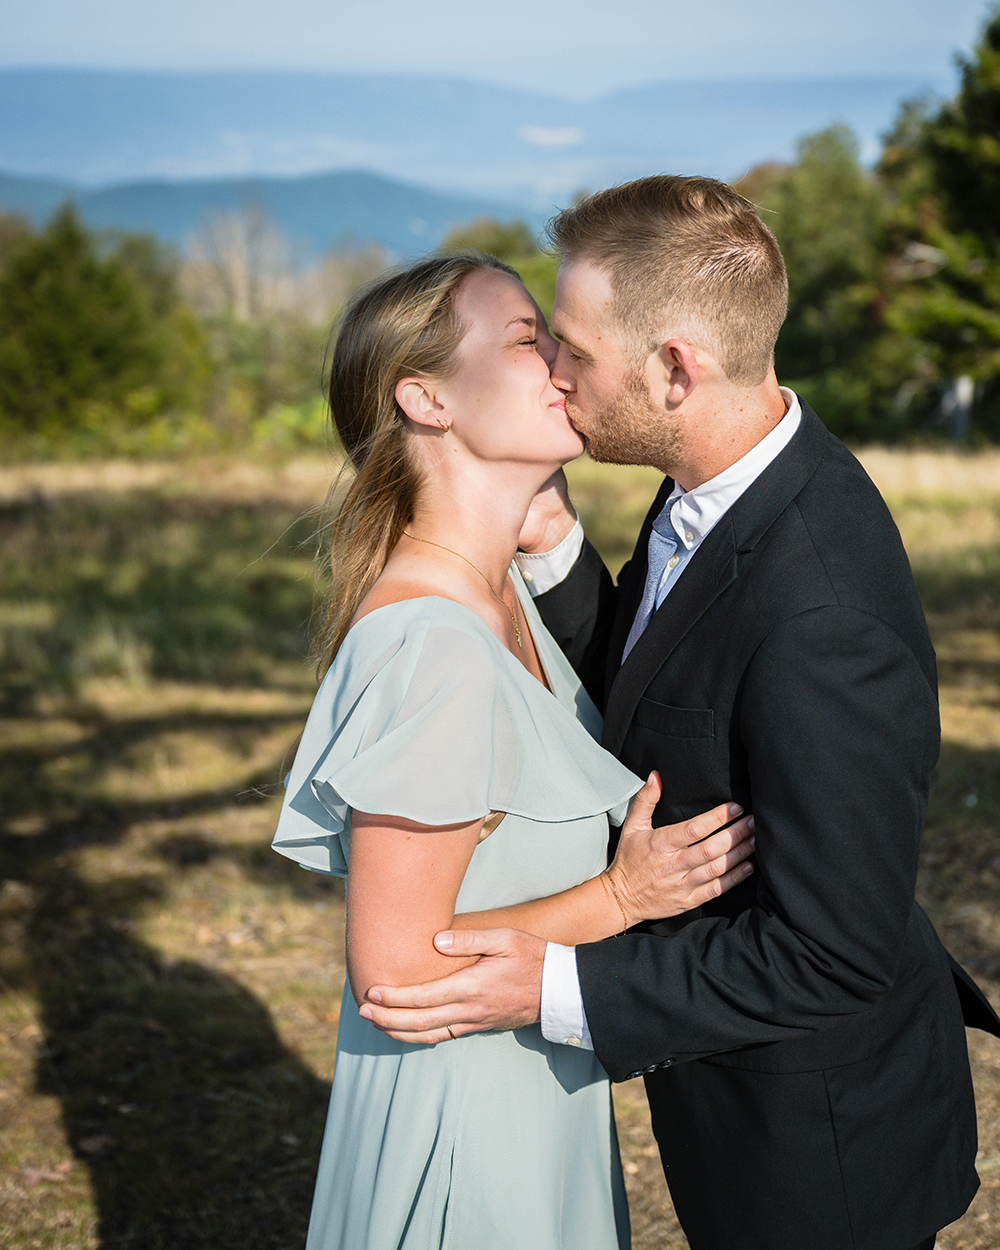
[(759, 681)]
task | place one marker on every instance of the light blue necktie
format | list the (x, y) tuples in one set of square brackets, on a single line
[(663, 545)]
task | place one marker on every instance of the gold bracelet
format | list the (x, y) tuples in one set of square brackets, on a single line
[(617, 896)]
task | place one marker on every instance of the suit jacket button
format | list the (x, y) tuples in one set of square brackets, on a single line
[(652, 1067), (630, 1076), (668, 1063)]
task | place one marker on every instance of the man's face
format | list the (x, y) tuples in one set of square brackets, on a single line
[(607, 389)]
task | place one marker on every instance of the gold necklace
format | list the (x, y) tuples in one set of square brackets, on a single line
[(442, 547)]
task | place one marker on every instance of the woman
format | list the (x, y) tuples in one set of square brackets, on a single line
[(450, 758)]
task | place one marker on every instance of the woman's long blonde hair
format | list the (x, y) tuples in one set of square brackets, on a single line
[(403, 325)]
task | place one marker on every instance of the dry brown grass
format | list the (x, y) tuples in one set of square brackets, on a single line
[(169, 986)]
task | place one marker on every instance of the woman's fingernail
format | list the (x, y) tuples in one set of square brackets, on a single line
[(444, 941), (365, 1013), (735, 809), (375, 996)]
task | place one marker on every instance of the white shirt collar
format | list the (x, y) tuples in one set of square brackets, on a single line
[(694, 513)]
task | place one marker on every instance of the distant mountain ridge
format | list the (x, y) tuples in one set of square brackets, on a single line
[(151, 150), (319, 212), (97, 127)]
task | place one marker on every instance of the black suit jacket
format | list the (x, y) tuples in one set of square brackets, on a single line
[(789, 669)]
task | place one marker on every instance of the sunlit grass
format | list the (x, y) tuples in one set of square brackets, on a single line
[(169, 988)]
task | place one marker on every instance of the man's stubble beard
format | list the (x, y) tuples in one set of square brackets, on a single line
[(632, 430)]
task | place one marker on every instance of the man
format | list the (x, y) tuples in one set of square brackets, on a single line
[(801, 1039)]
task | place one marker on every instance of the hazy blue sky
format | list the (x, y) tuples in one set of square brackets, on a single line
[(570, 47)]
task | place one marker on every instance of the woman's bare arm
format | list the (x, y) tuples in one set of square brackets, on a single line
[(405, 877)]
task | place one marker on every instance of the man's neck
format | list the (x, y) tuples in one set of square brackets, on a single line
[(735, 424)]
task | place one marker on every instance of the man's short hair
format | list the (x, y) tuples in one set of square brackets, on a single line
[(688, 257)]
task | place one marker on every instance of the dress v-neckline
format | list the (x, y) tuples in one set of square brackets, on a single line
[(524, 598)]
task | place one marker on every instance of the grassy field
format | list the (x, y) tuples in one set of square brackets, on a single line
[(168, 986)]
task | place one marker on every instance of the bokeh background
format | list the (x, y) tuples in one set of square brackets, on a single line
[(188, 195)]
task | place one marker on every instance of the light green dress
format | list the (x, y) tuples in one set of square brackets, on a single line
[(496, 1141)]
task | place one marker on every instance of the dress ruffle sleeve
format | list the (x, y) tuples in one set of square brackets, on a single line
[(425, 715)]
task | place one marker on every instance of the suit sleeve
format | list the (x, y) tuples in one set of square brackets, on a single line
[(839, 726), (579, 613)]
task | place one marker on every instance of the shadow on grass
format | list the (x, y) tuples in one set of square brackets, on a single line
[(960, 859), (965, 583), (145, 585), (59, 780), (200, 1130)]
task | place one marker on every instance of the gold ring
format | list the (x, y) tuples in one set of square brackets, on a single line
[(450, 1034)]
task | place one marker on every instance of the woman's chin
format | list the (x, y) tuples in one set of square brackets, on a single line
[(576, 455)]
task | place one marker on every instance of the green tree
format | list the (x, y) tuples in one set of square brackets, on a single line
[(828, 214), (963, 143), (941, 172), (82, 340), (514, 243), (510, 241), (14, 232)]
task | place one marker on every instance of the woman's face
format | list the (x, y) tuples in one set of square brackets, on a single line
[(500, 400)]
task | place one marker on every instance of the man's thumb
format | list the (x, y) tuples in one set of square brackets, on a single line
[(473, 941)]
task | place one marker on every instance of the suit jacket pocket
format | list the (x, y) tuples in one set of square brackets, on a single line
[(675, 722)]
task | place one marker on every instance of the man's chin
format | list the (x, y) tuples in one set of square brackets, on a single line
[(601, 453)]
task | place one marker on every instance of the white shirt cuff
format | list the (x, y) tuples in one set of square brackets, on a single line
[(546, 569), (563, 1017)]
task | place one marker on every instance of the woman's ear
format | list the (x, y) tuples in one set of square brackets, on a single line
[(417, 399)]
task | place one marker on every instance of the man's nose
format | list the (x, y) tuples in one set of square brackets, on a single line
[(547, 349), (560, 371)]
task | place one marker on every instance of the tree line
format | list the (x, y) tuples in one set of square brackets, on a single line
[(113, 342)]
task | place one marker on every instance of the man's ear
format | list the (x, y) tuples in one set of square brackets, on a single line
[(417, 399), (682, 371)]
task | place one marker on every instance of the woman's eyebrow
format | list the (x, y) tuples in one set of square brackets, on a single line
[(530, 322)]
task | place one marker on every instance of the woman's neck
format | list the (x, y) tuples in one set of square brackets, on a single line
[(477, 519)]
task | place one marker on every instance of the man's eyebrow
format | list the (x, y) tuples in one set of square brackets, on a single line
[(575, 348)]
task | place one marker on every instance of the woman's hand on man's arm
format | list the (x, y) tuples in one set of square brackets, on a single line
[(675, 868)]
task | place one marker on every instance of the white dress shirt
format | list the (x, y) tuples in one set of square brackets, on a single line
[(693, 514)]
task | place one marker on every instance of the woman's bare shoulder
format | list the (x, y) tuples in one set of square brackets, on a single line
[(400, 587)]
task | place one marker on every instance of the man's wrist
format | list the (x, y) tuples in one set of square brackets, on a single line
[(544, 569), (563, 1018), (552, 534)]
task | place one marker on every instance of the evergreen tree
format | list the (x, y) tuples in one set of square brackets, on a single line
[(963, 143), (827, 213), (941, 171), (14, 231), (82, 339)]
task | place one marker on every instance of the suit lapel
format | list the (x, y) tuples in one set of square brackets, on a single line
[(713, 568)]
